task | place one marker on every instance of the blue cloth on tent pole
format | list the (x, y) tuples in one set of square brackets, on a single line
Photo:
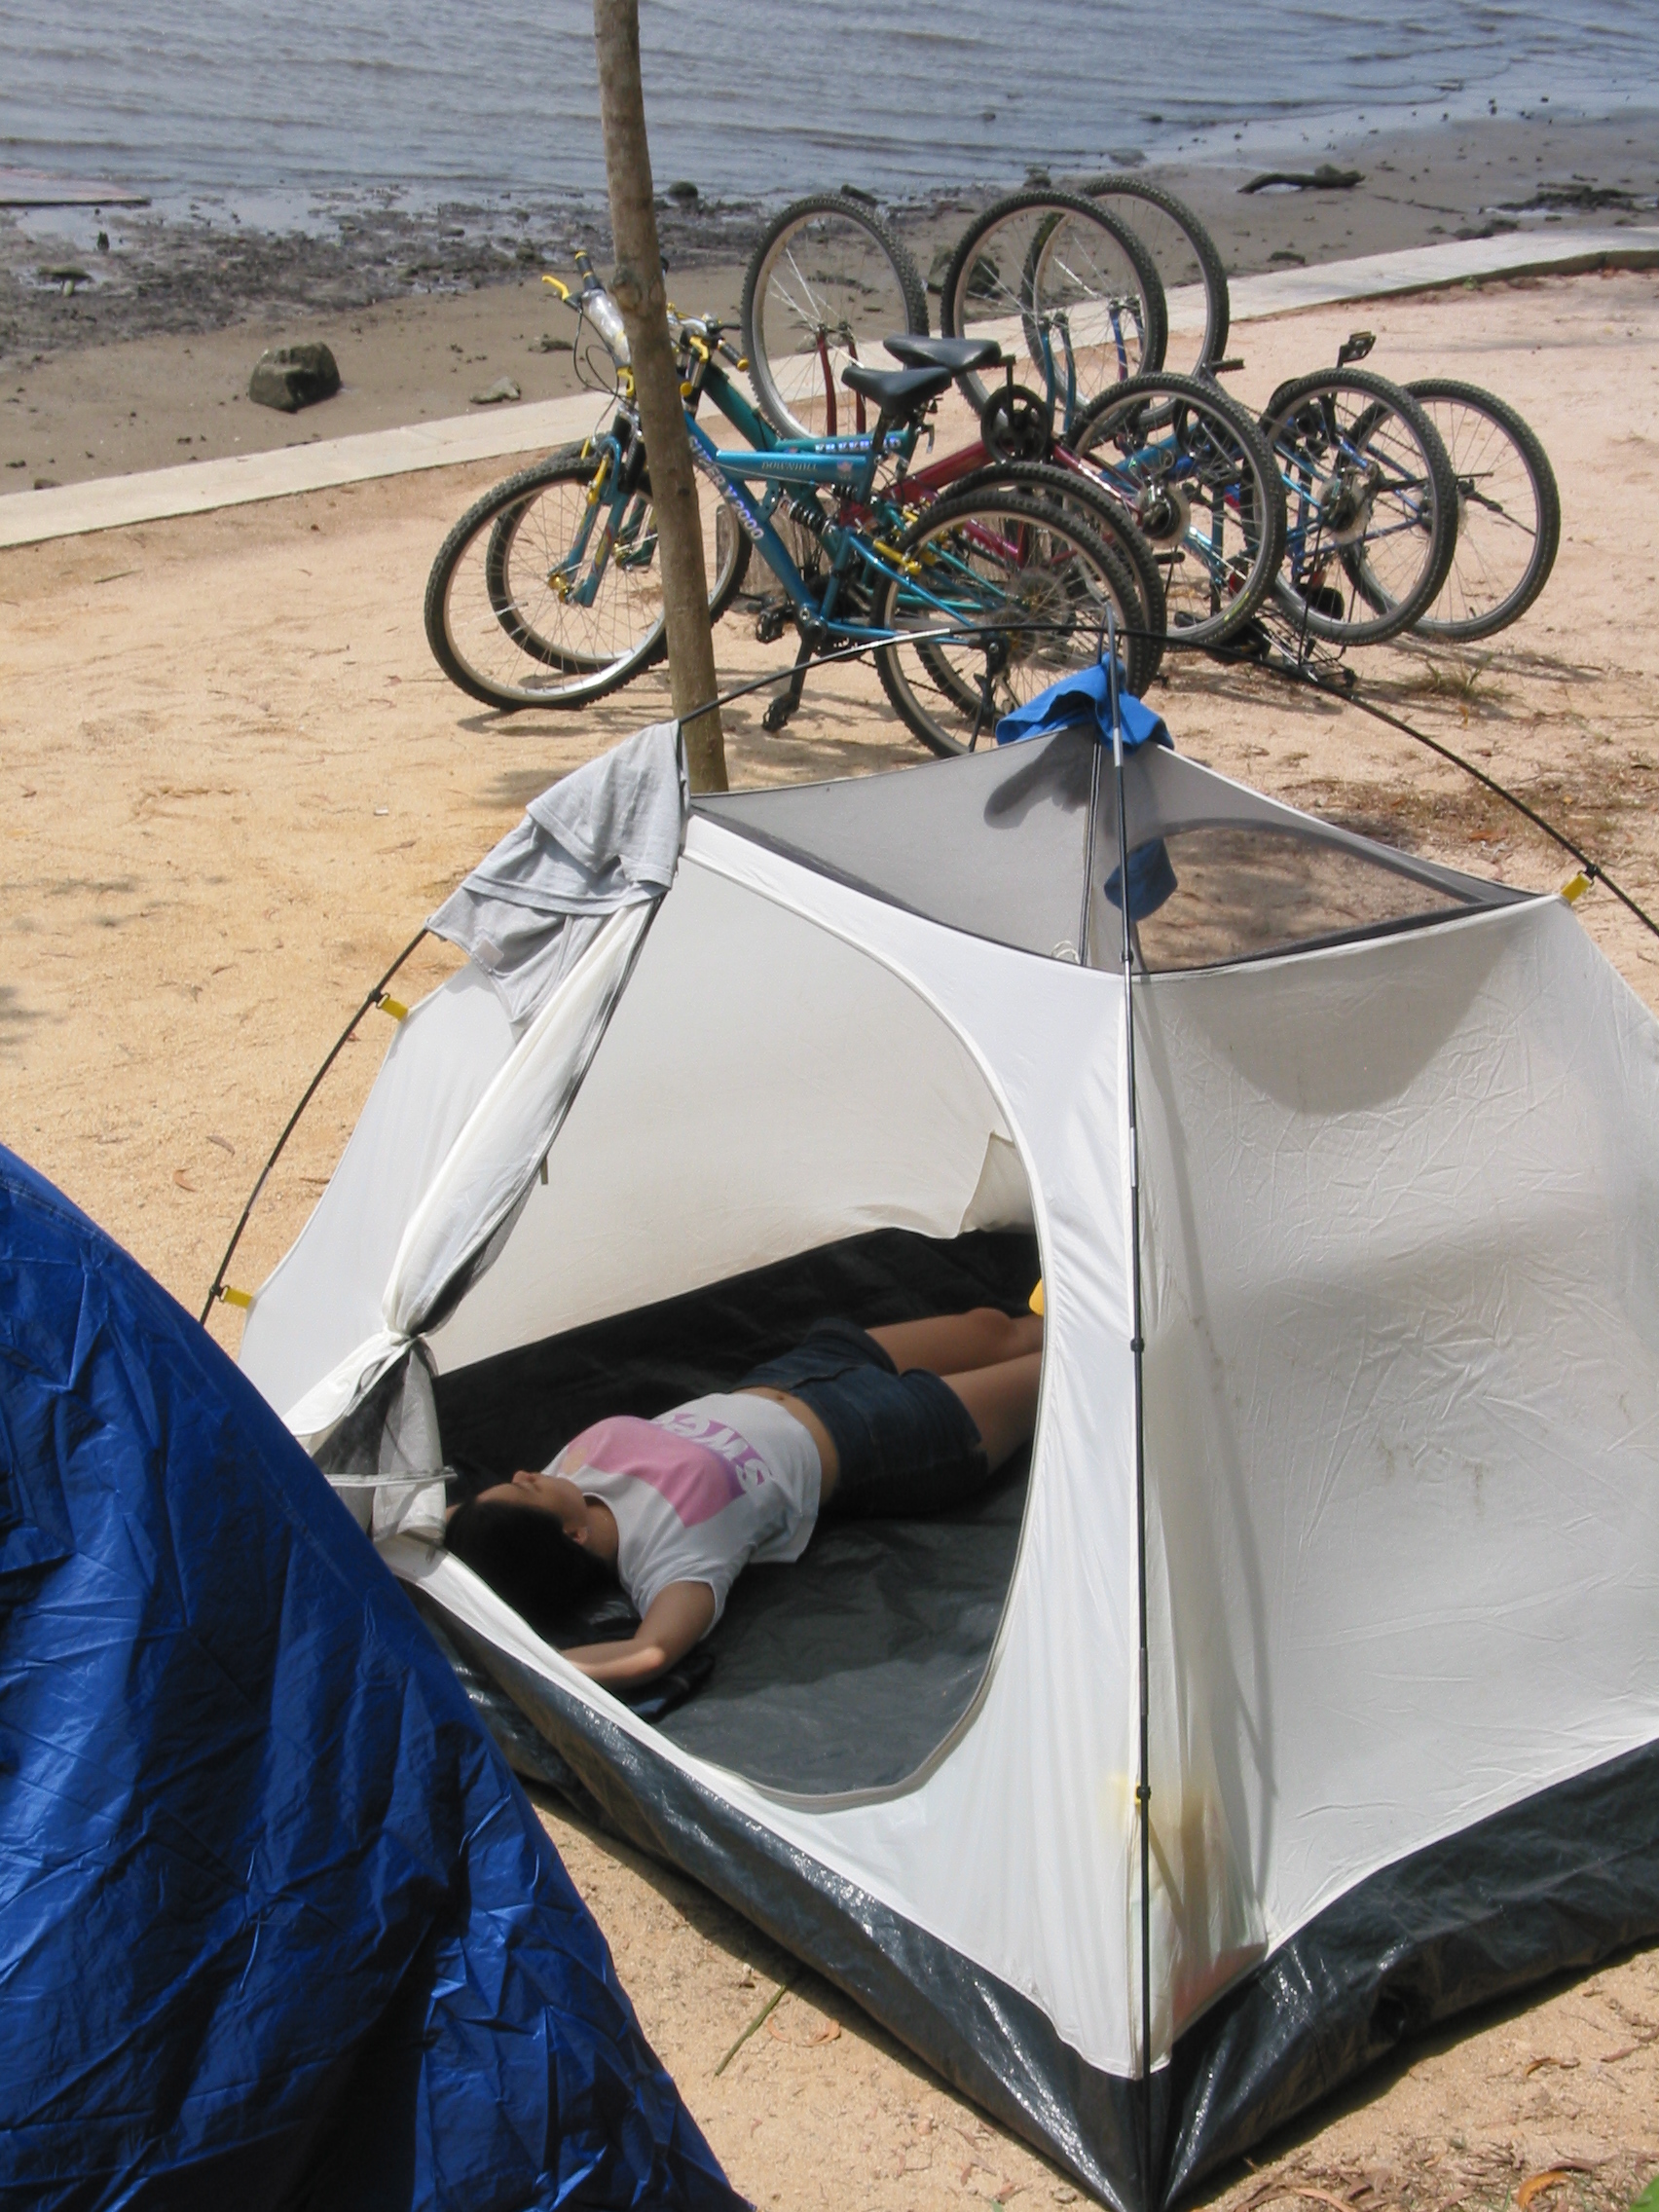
[(277, 1926), (1153, 881), (1085, 697)]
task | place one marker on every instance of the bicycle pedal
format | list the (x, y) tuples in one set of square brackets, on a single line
[(776, 715), (769, 624)]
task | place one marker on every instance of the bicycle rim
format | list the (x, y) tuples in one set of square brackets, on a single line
[(1508, 513), (1063, 286), (1027, 587), (538, 598), (828, 282), (1193, 475), (1198, 304), (1078, 493), (1371, 505)]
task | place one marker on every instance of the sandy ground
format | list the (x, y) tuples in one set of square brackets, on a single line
[(231, 786), (148, 364)]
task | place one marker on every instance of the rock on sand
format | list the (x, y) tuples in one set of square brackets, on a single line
[(292, 377)]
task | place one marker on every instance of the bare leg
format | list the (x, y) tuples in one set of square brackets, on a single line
[(954, 1344), (1002, 1402)]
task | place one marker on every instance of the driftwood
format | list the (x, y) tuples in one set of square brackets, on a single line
[(1324, 178)]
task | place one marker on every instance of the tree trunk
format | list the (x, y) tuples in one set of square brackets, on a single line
[(637, 290)]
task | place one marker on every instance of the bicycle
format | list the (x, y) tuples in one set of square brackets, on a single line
[(544, 593)]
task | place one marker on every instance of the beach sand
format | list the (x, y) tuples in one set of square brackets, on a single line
[(233, 784), (150, 365)]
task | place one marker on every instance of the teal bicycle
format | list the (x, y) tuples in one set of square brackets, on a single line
[(546, 592)]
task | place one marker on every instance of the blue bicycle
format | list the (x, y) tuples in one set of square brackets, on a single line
[(546, 591)]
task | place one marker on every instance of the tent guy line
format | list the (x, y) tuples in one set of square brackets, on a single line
[(1593, 870)]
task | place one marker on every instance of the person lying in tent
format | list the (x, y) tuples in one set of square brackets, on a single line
[(854, 1424)]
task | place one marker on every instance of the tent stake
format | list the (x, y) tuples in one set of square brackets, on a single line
[(1138, 1348)]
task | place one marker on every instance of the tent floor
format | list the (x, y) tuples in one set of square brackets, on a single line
[(846, 1670)]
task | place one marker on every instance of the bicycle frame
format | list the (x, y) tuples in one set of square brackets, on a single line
[(845, 465)]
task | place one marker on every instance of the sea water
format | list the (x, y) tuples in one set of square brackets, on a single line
[(257, 105)]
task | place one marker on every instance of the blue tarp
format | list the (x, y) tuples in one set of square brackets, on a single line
[(276, 1925), (1083, 698)]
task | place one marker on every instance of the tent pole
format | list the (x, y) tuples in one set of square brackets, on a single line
[(1138, 1348), (1089, 856), (339, 1046)]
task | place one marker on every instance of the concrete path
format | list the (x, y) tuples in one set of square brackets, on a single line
[(1422, 269), (26, 518), (110, 501)]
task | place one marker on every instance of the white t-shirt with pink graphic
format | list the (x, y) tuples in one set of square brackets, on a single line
[(699, 1492)]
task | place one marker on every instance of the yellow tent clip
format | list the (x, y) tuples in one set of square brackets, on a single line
[(1037, 1299), (230, 1297), (394, 1007), (1574, 888)]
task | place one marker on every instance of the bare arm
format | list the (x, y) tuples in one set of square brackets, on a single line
[(675, 1619)]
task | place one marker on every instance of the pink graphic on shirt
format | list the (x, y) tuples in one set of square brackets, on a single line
[(698, 1467)]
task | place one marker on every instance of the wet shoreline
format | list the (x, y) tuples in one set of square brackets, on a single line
[(157, 275), (144, 360)]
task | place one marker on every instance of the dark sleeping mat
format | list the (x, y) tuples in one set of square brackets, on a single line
[(845, 1670)]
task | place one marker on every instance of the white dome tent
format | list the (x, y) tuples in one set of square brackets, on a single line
[(1399, 1242)]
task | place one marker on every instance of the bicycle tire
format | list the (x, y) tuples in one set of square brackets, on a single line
[(1099, 512), (513, 647), (975, 290), (1391, 526), (1036, 603), (1205, 457), (778, 314), (1217, 321), (1448, 403)]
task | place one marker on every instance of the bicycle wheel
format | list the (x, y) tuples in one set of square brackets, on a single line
[(1189, 265), (1371, 505), (1056, 278), (828, 282), (1192, 471), (1508, 512), (1082, 495), (543, 596), (1028, 588)]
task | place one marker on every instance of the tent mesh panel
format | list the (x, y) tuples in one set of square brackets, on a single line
[(994, 844)]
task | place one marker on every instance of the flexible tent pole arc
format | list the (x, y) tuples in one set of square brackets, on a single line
[(377, 997), (1137, 1350)]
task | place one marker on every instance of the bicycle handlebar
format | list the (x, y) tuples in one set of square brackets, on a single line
[(702, 333)]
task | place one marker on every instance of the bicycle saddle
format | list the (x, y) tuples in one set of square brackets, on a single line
[(897, 392), (957, 354)]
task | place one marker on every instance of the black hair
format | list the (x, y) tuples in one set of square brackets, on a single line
[(527, 1559)]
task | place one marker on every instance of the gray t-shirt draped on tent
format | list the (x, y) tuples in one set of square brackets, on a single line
[(607, 836)]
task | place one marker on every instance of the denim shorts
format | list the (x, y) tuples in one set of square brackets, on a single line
[(907, 1444)]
